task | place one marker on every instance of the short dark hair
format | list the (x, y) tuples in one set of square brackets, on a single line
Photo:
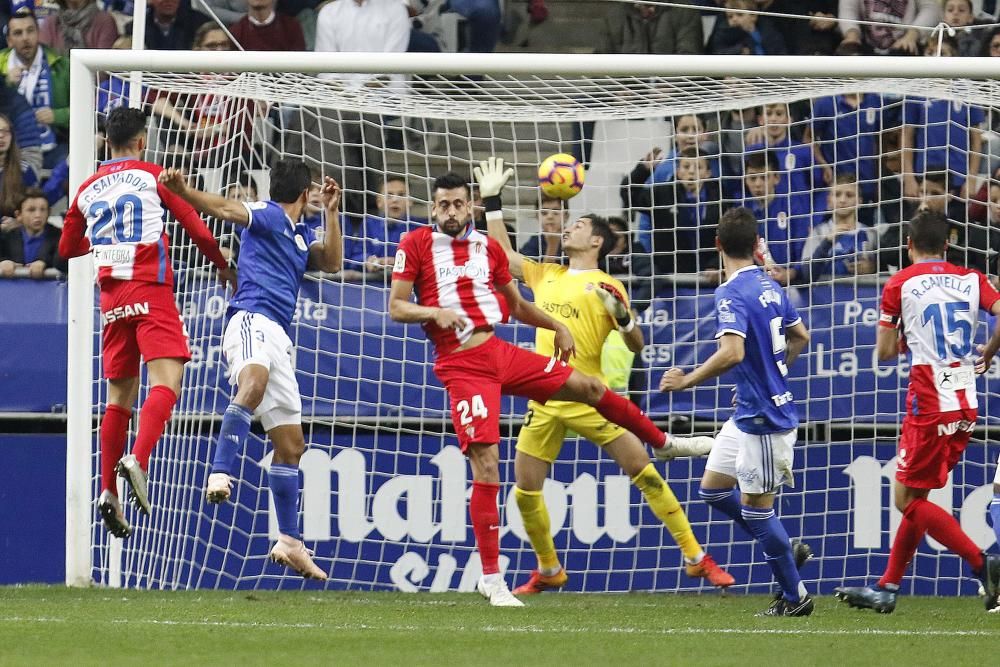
[(599, 227), (937, 178), (738, 233), (929, 232), (123, 125), (289, 179), (450, 181), (393, 178), (30, 193), (763, 160), (548, 198)]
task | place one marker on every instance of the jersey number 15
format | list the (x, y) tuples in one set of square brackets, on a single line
[(945, 320)]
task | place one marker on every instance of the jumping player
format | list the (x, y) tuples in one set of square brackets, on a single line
[(932, 308), (276, 249), (591, 304), (118, 214), (464, 287), (760, 334)]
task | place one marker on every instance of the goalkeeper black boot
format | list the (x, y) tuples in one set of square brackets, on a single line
[(880, 599), (802, 553), (783, 607), (990, 578)]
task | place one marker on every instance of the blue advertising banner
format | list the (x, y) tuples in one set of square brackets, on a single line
[(353, 361)]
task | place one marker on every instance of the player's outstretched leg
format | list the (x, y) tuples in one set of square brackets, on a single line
[(550, 574), (283, 480), (114, 432), (771, 536), (661, 499), (684, 446), (485, 461), (232, 436)]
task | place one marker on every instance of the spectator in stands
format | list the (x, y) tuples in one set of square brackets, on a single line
[(41, 76), (816, 36), (991, 43), (631, 263), (15, 175), (941, 135), (112, 91), (485, 23), (171, 25), (685, 215), (841, 245), (958, 14), (657, 167), (34, 243), (643, 28), (969, 244), (27, 134), (881, 38), (370, 241), (785, 218), (803, 172), (734, 126), (264, 29), (363, 26), (552, 218), (739, 32), (80, 24), (393, 205), (847, 131), (227, 11)]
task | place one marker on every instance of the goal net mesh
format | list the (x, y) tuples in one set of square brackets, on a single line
[(384, 486)]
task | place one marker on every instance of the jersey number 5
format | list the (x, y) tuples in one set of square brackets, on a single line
[(125, 215), (778, 346), (478, 409)]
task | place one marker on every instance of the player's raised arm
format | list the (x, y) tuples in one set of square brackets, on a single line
[(204, 202), (329, 255), (529, 313), (618, 308), (492, 177)]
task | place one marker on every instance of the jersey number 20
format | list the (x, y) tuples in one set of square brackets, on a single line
[(126, 216)]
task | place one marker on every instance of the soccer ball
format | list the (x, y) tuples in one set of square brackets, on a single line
[(560, 176)]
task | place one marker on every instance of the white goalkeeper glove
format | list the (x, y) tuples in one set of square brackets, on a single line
[(614, 303), (491, 176)]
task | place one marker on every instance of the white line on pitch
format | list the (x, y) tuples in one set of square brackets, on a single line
[(530, 629)]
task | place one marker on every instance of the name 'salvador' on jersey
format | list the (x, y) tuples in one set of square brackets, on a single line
[(126, 176)]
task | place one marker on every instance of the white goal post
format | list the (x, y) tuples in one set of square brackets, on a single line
[(512, 96)]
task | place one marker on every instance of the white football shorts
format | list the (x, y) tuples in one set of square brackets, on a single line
[(252, 338), (760, 463)]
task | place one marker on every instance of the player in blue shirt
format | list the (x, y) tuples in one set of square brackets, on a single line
[(276, 250), (759, 334)]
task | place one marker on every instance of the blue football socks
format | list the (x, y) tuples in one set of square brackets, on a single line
[(284, 482), (773, 539), (232, 437)]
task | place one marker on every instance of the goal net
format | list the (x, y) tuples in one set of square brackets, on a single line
[(831, 154)]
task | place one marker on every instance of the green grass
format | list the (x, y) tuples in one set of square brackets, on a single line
[(54, 625)]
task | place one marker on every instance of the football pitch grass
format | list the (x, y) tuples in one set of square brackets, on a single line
[(54, 625)]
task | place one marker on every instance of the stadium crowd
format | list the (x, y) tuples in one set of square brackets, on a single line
[(830, 178)]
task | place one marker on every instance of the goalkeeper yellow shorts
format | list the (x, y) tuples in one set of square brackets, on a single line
[(545, 428)]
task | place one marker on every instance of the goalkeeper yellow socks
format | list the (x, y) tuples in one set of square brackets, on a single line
[(664, 504), (536, 523)]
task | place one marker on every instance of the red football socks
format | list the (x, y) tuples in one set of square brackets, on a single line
[(943, 527), (627, 414), (114, 431), (153, 418), (907, 540), (486, 524)]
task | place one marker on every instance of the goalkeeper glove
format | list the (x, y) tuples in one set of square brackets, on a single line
[(614, 303), (491, 176)]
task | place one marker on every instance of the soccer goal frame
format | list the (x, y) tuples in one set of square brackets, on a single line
[(85, 64)]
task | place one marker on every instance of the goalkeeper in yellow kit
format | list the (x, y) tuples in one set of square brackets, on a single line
[(591, 304)]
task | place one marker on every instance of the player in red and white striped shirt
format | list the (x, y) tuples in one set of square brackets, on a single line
[(118, 215), (932, 307), (464, 287)]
